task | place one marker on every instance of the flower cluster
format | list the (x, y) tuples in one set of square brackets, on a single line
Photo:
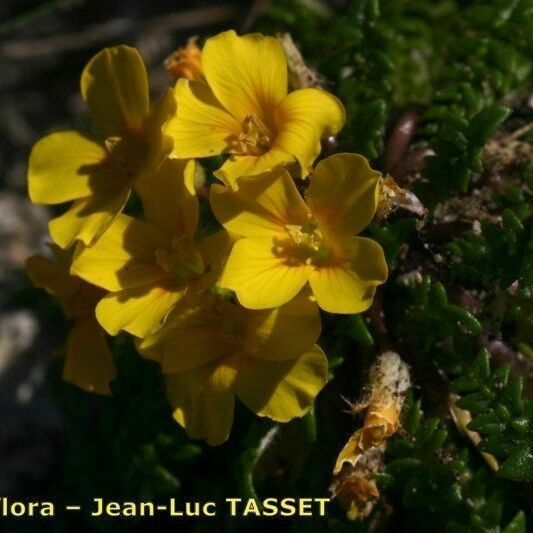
[(231, 312)]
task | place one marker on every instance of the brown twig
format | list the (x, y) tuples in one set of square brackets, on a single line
[(399, 140)]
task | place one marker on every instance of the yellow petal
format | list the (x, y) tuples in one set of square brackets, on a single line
[(261, 206), (76, 296), (350, 287), (214, 250), (201, 126), (248, 74), (338, 290), (343, 193), (63, 166), (146, 351), (282, 390), (89, 363), (250, 165), (190, 338), (48, 276), (185, 397), (160, 144), (88, 218), (303, 118), (123, 257), (259, 278), (140, 311), (203, 400), (169, 199), (354, 449), (114, 84), (285, 332), (151, 147), (367, 259)]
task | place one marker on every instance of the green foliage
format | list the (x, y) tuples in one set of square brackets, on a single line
[(393, 236), (500, 255), (499, 259), (490, 59), (429, 311), (458, 145), (459, 56), (501, 415), (427, 471)]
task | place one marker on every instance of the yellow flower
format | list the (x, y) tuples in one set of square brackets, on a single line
[(244, 110), (186, 62), (215, 350), (148, 266), (288, 242), (98, 174), (89, 363)]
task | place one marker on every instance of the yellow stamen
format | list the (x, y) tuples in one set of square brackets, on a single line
[(306, 245), (254, 139)]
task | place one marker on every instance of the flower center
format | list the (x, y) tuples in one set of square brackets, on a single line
[(182, 259), (305, 245), (254, 139), (128, 153), (230, 321)]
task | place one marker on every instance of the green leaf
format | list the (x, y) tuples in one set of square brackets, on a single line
[(517, 524), (411, 421), (402, 464), (481, 364), (511, 222), (486, 122), (437, 440), (518, 466), (513, 393), (308, 425), (474, 402), (501, 375), (438, 294), (487, 423), (469, 321), (355, 327), (464, 384)]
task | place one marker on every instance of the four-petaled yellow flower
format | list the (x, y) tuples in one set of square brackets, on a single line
[(287, 242), (244, 110), (88, 361), (149, 266), (214, 350), (99, 173)]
